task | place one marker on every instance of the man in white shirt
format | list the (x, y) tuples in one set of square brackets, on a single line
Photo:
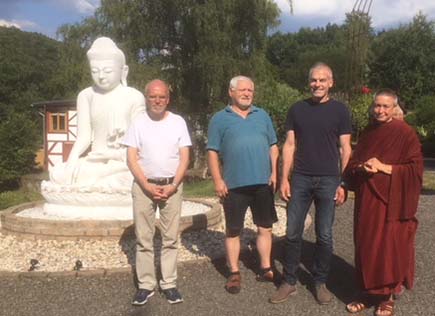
[(158, 156)]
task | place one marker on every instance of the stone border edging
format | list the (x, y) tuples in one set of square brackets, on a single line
[(78, 274), (126, 270), (36, 228)]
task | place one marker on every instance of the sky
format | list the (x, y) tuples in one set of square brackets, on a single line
[(45, 16)]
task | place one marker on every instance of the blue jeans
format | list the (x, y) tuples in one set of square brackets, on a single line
[(305, 190)]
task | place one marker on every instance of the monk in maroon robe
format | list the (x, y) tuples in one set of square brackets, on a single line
[(385, 172)]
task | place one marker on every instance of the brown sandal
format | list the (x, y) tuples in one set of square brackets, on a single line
[(233, 283), (356, 307), (385, 308), (362, 302), (265, 275)]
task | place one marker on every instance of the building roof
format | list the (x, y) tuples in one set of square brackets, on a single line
[(55, 103)]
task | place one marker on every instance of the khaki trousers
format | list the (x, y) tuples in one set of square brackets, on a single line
[(144, 215)]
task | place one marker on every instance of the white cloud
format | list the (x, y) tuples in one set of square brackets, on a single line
[(9, 24), (315, 7), (384, 13), (20, 24), (85, 7)]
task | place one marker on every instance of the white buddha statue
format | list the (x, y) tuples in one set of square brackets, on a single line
[(104, 112), (98, 182)]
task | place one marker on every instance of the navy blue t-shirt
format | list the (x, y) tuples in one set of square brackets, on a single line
[(317, 128)]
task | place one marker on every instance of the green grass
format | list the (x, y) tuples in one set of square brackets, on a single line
[(11, 198), (202, 188)]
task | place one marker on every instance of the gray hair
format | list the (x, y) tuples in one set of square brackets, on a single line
[(317, 66), (234, 81), (388, 93)]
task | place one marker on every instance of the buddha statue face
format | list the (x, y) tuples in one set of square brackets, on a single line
[(107, 74), (107, 64)]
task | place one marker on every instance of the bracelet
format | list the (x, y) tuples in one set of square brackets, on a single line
[(174, 184), (343, 184)]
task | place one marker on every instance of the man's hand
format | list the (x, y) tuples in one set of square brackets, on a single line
[(340, 195), (167, 191), (153, 191), (220, 188), (273, 180), (285, 191)]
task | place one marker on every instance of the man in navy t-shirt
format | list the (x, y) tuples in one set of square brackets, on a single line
[(316, 151)]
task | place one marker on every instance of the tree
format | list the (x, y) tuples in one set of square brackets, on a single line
[(294, 53), (276, 99), (360, 106), (19, 142), (423, 118), (197, 46), (25, 72), (404, 60), (359, 36), (33, 68)]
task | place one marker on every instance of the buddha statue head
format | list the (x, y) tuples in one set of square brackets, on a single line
[(107, 63)]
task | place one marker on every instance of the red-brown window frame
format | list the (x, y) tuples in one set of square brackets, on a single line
[(57, 115)]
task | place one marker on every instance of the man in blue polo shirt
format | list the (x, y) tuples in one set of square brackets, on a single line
[(242, 137)]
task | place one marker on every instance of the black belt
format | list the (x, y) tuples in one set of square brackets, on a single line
[(161, 181)]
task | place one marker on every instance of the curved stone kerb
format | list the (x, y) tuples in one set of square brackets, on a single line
[(37, 228)]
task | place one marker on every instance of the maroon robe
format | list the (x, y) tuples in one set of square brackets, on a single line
[(385, 207)]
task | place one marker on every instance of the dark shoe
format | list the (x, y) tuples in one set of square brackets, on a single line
[(233, 284), (265, 275), (323, 296), (173, 296), (142, 296), (283, 293)]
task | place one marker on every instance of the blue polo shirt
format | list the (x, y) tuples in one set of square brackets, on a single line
[(243, 145)]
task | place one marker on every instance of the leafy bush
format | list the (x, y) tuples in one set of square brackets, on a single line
[(424, 120), (276, 98), (360, 112), (18, 142)]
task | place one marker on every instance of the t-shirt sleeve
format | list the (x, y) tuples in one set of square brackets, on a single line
[(131, 138), (214, 135), (345, 122), (185, 140)]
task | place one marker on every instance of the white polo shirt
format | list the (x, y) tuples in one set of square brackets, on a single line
[(158, 143)]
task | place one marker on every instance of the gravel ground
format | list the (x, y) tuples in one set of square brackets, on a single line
[(53, 256), (202, 284)]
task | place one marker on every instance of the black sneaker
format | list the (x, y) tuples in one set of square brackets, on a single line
[(173, 296), (142, 296)]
